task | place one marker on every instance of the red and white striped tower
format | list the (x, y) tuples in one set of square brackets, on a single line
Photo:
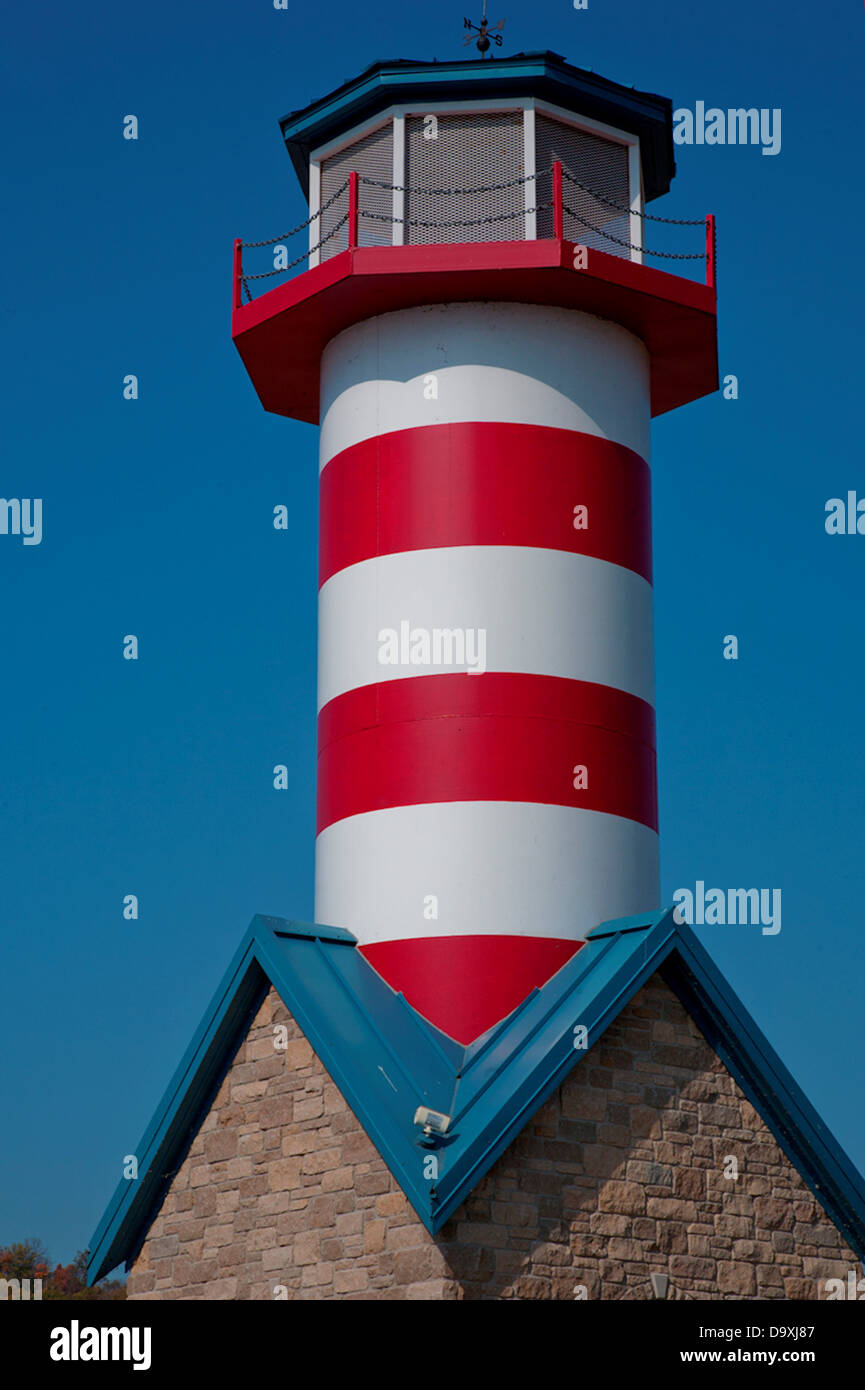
[(486, 770), (456, 837)]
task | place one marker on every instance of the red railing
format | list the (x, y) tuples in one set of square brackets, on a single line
[(558, 209), (237, 299), (558, 202), (352, 211), (710, 251)]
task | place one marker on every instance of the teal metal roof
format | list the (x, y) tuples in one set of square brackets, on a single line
[(544, 75), (387, 1060)]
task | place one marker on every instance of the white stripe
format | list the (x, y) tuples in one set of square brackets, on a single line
[(506, 868), (542, 612), (519, 363)]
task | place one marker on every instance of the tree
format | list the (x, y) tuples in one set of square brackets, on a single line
[(28, 1259)]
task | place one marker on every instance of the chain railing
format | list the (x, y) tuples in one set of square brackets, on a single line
[(557, 204)]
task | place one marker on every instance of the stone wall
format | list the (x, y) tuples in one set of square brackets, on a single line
[(619, 1175)]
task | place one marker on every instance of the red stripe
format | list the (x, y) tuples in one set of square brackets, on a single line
[(482, 483), (458, 695), (486, 756), (467, 984)]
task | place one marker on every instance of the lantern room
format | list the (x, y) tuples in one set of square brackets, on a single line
[(522, 179), (470, 159)]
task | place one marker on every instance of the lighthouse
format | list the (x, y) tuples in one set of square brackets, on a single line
[(482, 315)]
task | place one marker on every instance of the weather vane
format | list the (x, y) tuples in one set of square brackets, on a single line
[(484, 33)]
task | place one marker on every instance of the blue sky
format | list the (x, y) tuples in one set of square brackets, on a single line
[(155, 777)]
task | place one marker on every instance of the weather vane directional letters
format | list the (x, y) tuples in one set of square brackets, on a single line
[(485, 34)]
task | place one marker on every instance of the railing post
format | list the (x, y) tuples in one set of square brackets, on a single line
[(352, 211), (710, 251), (238, 274), (558, 210)]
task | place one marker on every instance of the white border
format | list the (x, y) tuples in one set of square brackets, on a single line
[(530, 170), (635, 221), (398, 179), (314, 205)]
